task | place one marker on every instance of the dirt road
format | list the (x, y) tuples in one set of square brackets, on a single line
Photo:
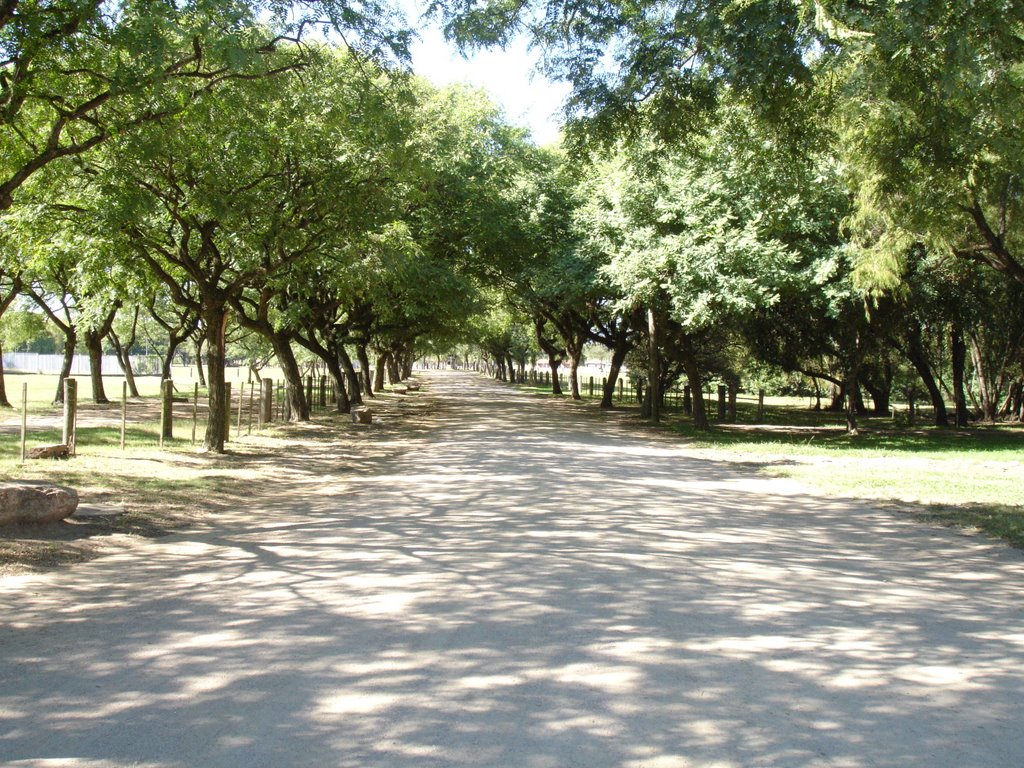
[(523, 586)]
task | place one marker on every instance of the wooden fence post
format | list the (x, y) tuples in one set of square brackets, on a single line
[(241, 399), (124, 412), (266, 402), (721, 402), (195, 411), (70, 413), (760, 404), (24, 418), (252, 389)]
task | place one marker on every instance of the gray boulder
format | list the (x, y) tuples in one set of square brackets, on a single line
[(35, 503)]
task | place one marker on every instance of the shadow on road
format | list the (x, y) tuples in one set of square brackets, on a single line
[(515, 587)]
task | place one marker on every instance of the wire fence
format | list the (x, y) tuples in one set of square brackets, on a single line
[(171, 418)]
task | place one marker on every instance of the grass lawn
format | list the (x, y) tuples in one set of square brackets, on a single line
[(971, 477)]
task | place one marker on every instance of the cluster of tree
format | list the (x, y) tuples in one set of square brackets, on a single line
[(825, 188), (233, 177)]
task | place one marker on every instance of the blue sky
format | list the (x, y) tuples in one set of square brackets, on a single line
[(528, 98)]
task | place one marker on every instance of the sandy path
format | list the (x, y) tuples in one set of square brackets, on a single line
[(525, 588)]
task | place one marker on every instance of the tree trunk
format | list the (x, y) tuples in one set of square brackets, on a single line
[(838, 402), (618, 358), (879, 388), (216, 321), (364, 369), (378, 374), (917, 357), (4, 402), (94, 346), (654, 354), (199, 360), (394, 377), (989, 389), (354, 389), (338, 375), (556, 384), (299, 407), (693, 378), (851, 403), (5, 302), (70, 342), (959, 362), (574, 376), (124, 360), (173, 342)]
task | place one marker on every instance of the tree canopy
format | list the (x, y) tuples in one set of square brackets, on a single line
[(824, 190)]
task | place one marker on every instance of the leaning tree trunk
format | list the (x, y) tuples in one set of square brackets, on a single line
[(354, 388), (917, 357), (173, 342), (364, 369), (70, 342), (292, 375), (199, 361), (124, 360), (215, 319), (343, 404), (615, 367)]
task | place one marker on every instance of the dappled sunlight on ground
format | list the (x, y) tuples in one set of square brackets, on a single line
[(518, 587)]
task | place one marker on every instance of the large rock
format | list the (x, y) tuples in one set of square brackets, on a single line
[(35, 503), (58, 451), (362, 416)]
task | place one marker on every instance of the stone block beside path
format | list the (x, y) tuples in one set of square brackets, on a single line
[(362, 416), (35, 503)]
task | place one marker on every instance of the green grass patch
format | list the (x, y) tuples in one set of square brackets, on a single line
[(1001, 521), (967, 477)]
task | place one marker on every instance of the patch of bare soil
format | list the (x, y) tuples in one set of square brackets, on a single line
[(153, 493)]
